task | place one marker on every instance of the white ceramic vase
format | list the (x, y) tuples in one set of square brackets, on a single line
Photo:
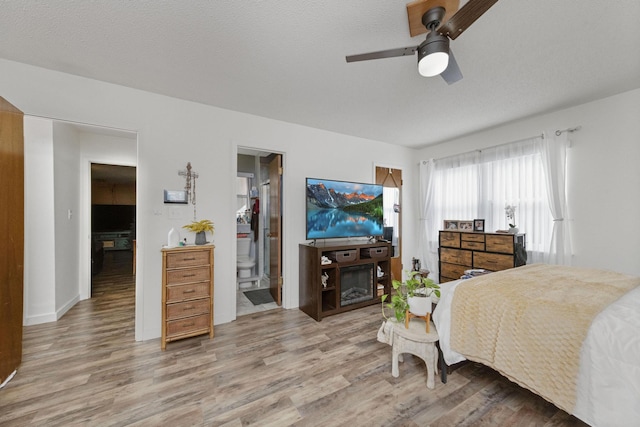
[(419, 306)]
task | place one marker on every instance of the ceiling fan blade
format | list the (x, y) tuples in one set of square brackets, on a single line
[(452, 73), (467, 15), (390, 53)]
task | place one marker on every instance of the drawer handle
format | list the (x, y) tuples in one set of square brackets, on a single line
[(189, 324), (188, 275), (491, 261), (189, 259), (191, 307), (189, 291)]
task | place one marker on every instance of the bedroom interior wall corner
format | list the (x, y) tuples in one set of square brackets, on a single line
[(602, 175)]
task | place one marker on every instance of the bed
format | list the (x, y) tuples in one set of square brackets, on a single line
[(568, 334)]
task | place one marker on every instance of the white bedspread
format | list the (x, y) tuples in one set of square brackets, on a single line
[(609, 377)]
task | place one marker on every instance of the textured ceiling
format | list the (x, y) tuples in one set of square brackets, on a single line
[(285, 59)]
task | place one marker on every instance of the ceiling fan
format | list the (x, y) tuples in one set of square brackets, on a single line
[(434, 55)]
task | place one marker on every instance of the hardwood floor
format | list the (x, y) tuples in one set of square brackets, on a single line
[(274, 368)]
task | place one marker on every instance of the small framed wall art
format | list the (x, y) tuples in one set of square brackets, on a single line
[(478, 225)]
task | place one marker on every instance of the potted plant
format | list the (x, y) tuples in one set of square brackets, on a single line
[(200, 228), (414, 294)]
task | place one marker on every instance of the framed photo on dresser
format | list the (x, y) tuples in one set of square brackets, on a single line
[(478, 225), (465, 225), (450, 224)]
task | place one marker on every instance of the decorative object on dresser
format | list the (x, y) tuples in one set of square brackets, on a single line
[(460, 251), (465, 225), (187, 292), (353, 279), (478, 225), (450, 224), (510, 211), (200, 228)]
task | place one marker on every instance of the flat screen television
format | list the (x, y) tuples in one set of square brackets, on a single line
[(340, 209), (112, 217)]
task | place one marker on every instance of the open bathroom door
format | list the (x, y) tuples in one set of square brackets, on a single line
[(275, 225)]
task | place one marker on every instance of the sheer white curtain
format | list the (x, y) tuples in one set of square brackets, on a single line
[(513, 174), (453, 185), (428, 254), (479, 185), (553, 149)]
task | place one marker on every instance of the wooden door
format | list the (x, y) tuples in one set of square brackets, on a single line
[(275, 228), (12, 232), (392, 178)]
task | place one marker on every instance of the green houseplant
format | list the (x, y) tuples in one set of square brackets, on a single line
[(200, 228), (410, 292)]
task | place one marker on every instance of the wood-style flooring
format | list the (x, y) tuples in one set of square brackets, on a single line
[(276, 368)]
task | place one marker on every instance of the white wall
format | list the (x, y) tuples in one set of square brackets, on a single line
[(39, 240), (66, 188), (603, 175), (172, 132)]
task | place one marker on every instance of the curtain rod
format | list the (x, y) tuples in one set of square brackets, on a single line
[(493, 146), (558, 133), (570, 130)]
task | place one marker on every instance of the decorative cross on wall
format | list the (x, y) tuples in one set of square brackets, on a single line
[(190, 185)]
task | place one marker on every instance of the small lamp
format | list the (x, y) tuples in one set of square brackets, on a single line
[(433, 55)]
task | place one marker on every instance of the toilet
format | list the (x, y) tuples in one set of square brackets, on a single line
[(244, 262)]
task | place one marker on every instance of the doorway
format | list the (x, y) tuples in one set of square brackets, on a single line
[(113, 225), (259, 231), (391, 180)]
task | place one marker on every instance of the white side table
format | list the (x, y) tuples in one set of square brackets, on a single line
[(416, 341)]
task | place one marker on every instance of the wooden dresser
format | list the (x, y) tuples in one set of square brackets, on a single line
[(462, 250), (187, 292)]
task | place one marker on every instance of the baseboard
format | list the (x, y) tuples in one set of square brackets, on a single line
[(42, 318), (62, 310)]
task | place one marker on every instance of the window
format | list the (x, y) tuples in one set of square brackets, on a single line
[(479, 185)]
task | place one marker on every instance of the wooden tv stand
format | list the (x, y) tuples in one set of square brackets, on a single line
[(350, 262)]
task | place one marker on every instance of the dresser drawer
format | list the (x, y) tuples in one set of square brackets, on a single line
[(502, 244), (187, 275), (189, 325), (452, 271), (472, 237), (191, 291), (479, 246), (455, 256), (187, 259), (450, 239), (493, 262), (188, 308)]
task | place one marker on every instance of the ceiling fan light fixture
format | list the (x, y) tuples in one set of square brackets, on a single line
[(433, 55)]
